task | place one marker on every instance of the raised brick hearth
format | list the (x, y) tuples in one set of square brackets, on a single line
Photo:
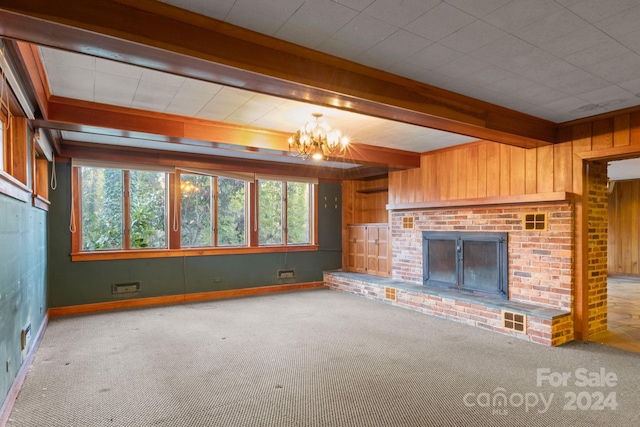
[(544, 325), (539, 269)]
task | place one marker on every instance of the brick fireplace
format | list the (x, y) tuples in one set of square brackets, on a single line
[(539, 269)]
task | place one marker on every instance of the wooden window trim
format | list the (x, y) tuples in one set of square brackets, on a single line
[(14, 153), (174, 213)]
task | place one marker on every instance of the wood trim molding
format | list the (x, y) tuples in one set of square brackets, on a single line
[(614, 153), (171, 253), (154, 34), (7, 406), (560, 196), (14, 188), (175, 299)]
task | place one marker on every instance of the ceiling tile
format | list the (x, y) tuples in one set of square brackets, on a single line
[(606, 95), (472, 37), (217, 9), (602, 52), (521, 13), (301, 35), (461, 67), (397, 12), (619, 69), (153, 96), (226, 101), (631, 40), (69, 59), (364, 31), (322, 16), (597, 10), (164, 79), (632, 86), (440, 22), (396, 47), (70, 82), (358, 5), (434, 56), (119, 69), (488, 75), (341, 48), (115, 89), (550, 28), (254, 109), (584, 38), (478, 8), (188, 102), (281, 10), (251, 20), (621, 23)]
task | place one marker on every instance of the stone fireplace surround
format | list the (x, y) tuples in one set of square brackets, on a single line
[(539, 270)]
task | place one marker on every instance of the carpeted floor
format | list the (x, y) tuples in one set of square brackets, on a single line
[(313, 358)]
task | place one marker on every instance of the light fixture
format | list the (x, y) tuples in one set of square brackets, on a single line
[(316, 139)]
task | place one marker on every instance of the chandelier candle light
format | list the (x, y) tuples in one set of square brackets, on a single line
[(317, 139)]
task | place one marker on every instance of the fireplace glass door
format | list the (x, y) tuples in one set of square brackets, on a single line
[(467, 261)]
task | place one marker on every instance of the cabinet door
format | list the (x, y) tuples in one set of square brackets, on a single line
[(356, 257), (378, 250)]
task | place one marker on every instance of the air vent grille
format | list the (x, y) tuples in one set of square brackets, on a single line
[(389, 293), (514, 321), (407, 222), (534, 221)]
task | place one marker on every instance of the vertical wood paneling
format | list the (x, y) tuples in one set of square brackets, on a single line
[(545, 169), (482, 170), (602, 134), (493, 169), (393, 187), (562, 167), (472, 172), (531, 171), (462, 168), (621, 130), (430, 186), (624, 238), (581, 143), (518, 171), (505, 170), (443, 177)]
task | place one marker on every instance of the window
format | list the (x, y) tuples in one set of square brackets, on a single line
[(122, 209), (284, 212), (213, 211), (156, 211)]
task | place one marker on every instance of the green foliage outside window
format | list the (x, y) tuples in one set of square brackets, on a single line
[(298, 213), (231, 212), (148, 197), (102, 224), (270, 216), (195, 210)]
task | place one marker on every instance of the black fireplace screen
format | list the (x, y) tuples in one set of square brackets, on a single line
[(468, 261)]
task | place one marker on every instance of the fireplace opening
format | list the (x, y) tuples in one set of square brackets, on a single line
[(466, 261)]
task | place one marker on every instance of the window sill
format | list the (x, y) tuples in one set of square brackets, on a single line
[(11, 187), (41, 203), (171, 253)]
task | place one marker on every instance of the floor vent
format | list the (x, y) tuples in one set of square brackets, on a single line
[(125, 288), (389, 293), (514, 321)]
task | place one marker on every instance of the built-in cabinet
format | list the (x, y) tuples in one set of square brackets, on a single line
[(368, 249)]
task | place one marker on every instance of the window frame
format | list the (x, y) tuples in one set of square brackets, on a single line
[(174, 248)]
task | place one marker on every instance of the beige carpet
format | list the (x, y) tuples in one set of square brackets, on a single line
[(310, 358)]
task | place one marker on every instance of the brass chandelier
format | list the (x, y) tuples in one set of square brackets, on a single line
[(316, 139)]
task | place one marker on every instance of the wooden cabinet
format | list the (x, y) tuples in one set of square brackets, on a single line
[(368, 249)]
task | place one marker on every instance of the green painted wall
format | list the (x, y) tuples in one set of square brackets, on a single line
[(23, 273), (74, 283)]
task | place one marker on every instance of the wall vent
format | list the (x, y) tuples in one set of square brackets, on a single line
[(514, 321), (534, 221), (407, 222), (123, 288), (389, 293), (287, 274)]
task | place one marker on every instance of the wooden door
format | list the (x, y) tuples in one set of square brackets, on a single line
[(378, 250)]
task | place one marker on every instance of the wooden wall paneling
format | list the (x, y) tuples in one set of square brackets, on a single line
[(505, 170), (493, 169), (581, 143), (632, 231), (602, 134), (348, 193), (443, 176), (621, 128), (482, 170), (531, 171), (461, 175), (417, 183), (472, 171), (20, 155), (634, 128), (393, 187), (545, 170), (518, 171), (562, 167), (613, 235)]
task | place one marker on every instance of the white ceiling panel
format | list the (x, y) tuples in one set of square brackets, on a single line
[(399, 13), (115, 89), (439, 22)]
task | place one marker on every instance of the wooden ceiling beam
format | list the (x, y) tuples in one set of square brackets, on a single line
[(155, 35), (74, 115)]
